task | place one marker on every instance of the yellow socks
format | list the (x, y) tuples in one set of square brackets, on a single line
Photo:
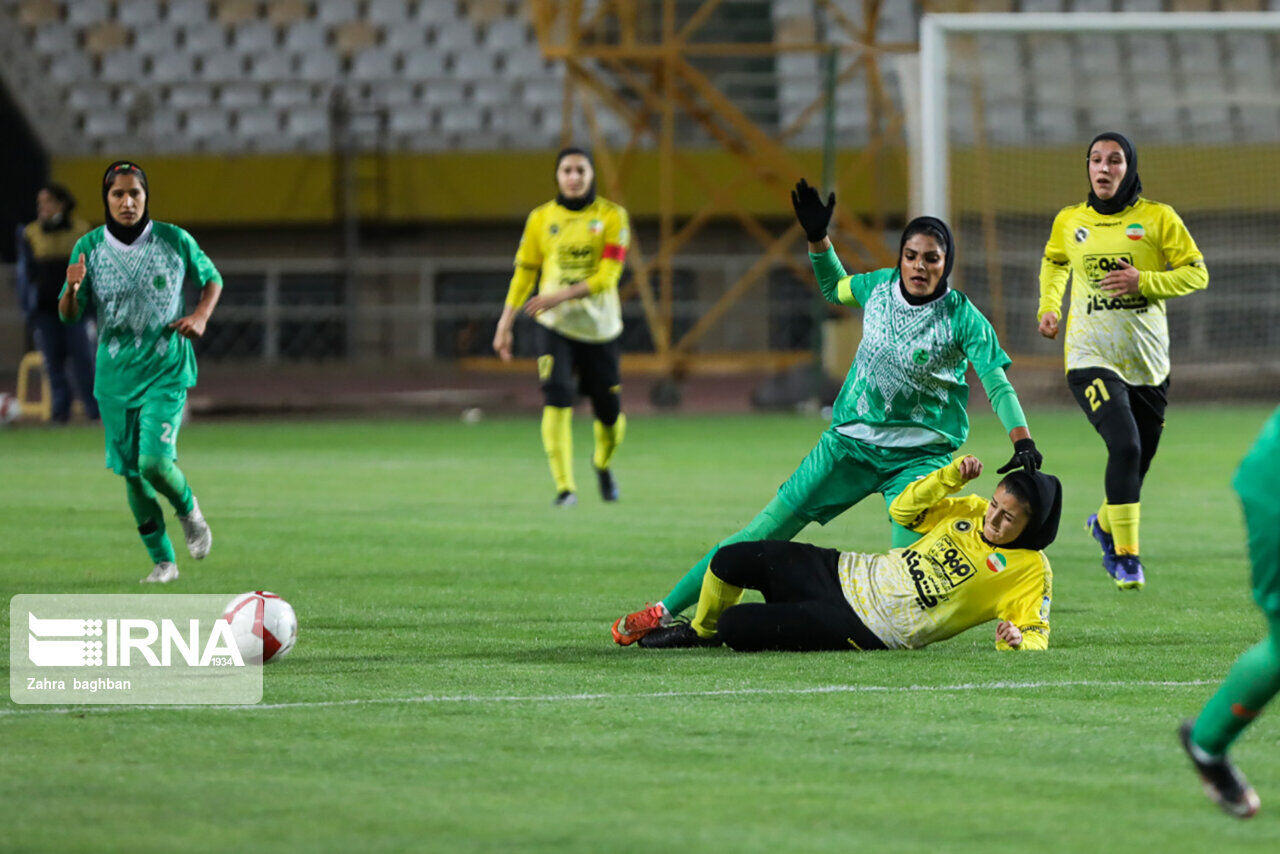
[(1104, 519), (607, 441), (557, 439), (716, 597), (1123, 519)]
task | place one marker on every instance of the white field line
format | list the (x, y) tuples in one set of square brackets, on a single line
[(650, 695)]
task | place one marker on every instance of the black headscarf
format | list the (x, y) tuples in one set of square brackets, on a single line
[(1130, 186), (938, 230), (126, 233), (60, 221), (1043, 492), (588, 197)]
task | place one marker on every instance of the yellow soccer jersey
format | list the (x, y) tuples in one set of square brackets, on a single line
[(951, 579), (1128, 334), (569, 247)]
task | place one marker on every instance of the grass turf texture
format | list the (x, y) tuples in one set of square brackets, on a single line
[(425, 561)]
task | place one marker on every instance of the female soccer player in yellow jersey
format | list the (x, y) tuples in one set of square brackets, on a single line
[(1125, 255), (973, 560), (578, 243)]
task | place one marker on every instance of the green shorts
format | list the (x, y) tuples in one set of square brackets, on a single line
[(840, 471), (1256, 481), (148, 429)]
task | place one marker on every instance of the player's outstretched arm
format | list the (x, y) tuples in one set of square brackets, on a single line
[(193, 325)]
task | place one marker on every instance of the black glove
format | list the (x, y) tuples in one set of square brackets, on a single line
[(1024, 455), (811, 212)]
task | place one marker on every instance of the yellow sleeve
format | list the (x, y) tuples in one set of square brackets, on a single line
[(922, 504), (1055, 268), (613, 254), (1188, 273), (1027, 607), (528, 262)]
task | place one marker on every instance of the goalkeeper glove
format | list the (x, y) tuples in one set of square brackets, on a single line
[(1024, 455), (810, 210)]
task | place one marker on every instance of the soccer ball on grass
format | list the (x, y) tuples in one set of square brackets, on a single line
[(263, 625)]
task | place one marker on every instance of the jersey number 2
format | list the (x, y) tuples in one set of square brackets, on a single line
[(166, 435), (1097, 394)]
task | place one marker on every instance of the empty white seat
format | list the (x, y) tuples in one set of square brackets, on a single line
[(222, 66), (394, 12), (409, 120), (131, 13), (472, 65), (121, 66), (257, 122), (336, 11), (444, 91), (494, 93), (405, 37), (303, 122), (454, 35), (429, 12), (185, 95), (72, 67), (506, 34), (253, 37), (187, 11), (86, 13), (513, 119), (165, 127), (54, 37), (291, 94), (171, 66), (208, 121), (541, 92), (90, 95), (156, 37), (270, 66), (305, 35), (203, 38), (105, 122), (317, 66), (423, 64), (240, 95), (461, 119), (373, 64)]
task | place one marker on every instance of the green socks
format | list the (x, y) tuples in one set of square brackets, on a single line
[(150, 519), (774, 522), (1254, 679)]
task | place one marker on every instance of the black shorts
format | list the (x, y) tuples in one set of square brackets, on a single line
[(567, 368), (1100, 391)]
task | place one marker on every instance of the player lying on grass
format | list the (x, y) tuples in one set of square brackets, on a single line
[(975, 560), (902, 410), (131, 272)]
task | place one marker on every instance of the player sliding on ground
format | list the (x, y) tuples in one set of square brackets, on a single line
[(132, 271), (574, 249), (901, 412), (975, 560), (1255, 678), (1125, 256)]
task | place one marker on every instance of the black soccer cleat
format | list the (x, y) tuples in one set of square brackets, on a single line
[(676, 636), (608, 486), (565, 499), (1223, 783)]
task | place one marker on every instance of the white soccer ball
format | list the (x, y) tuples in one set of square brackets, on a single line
[(263, 625), (10, 409)]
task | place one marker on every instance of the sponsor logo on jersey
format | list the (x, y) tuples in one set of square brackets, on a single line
[(996, 562), (555, 229), (1081, 234), (1134, 231), (595, 226), (950, 558), (1096, 267), (920, 357), (964, 526), (925, 597), (1098, 302), (159, 283)]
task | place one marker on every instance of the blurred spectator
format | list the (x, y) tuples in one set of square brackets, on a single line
[(44, 248)]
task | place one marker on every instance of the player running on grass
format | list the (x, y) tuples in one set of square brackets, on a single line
[(1255, 677), (132, 270), (975, 560), (901, 412), (1125, 256), (578, 243)]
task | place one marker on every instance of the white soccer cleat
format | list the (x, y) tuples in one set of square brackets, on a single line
[(196, 530), (164, 572)]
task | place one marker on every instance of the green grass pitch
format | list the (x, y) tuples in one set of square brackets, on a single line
[(454, 687)]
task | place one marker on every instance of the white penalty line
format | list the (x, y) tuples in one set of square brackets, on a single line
[(578, 698)]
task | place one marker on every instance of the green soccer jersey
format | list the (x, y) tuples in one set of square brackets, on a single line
[(136, 291), (906, 387)]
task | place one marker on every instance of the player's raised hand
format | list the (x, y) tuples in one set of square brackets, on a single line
[(1049, 324), (1025, 456), (814, 216), (1009, 633), (191, 326), (970, 467), (76, 273), (1122, 281)]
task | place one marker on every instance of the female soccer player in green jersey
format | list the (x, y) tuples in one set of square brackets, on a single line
[(1125, 256), (902, 410), (573, 248), (132, 272)]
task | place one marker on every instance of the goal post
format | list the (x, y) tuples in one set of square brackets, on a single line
[(1006, 104)]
